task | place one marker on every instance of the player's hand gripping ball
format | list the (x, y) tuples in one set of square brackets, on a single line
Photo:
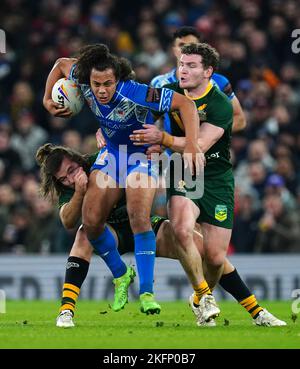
[(67, 94)]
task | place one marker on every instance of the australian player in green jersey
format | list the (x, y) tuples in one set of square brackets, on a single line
[(64, 174), (215, 208), (67, 186)]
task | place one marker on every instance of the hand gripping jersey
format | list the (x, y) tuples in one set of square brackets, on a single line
[(130, 108), (213, 107), (218, 80)]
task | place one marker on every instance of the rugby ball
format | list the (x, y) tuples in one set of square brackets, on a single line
[(66, 93)]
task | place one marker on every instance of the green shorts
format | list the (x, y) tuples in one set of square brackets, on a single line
[(217, 203), (125, 235)]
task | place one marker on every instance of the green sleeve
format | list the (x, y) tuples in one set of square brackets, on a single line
[(220, 112), (173, 86), (92, 158), (65, 197)]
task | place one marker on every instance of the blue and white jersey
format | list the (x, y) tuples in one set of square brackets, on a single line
[(223, 84), (217, 79), (164, 79), (128, 110)]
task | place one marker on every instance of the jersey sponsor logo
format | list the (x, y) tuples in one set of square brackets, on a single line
[(214, 155), (153, 94), (71, 264), (221, 212)]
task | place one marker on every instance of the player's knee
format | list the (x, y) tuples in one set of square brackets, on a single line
[(139, 221), (184, 235), (82, 250), (81, 247), (93, 221), (93, 229), (215, 259)]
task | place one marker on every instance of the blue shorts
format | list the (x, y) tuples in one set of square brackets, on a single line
[(118, 164)]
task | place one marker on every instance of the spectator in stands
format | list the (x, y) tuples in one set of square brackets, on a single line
[(72, 139), (255, 47), (10, 158), (246, 215), (279, 229), (27, 137), (275, 185), (41, 236), (14, 236)]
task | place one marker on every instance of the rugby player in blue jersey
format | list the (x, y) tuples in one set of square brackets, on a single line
[(122, 106), (187, 35)]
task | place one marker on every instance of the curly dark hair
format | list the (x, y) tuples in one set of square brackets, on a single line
[(49, 157), (210, 56), (98, 56)]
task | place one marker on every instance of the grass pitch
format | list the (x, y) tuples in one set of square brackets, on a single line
[(31, 324)]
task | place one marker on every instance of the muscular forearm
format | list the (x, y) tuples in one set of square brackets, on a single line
[(70, 213), (60, 69), (190, 121), (239, 119), (178, 143), (55, 74), (239, 123)]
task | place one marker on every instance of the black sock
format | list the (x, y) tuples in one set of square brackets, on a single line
[(233, 284), (76, 272)]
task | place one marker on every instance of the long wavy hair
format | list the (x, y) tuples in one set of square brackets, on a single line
[(49, 157), (98, 56)]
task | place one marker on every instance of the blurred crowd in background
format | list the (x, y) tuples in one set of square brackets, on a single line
[(255, 45)]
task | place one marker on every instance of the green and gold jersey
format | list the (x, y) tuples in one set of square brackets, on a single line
[(119, 213), (215, 108)]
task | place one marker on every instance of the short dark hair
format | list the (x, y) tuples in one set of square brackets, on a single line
[(210, 56), (186, 31), (98, 56)]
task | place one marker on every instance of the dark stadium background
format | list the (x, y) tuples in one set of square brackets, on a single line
[(254, 39)]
